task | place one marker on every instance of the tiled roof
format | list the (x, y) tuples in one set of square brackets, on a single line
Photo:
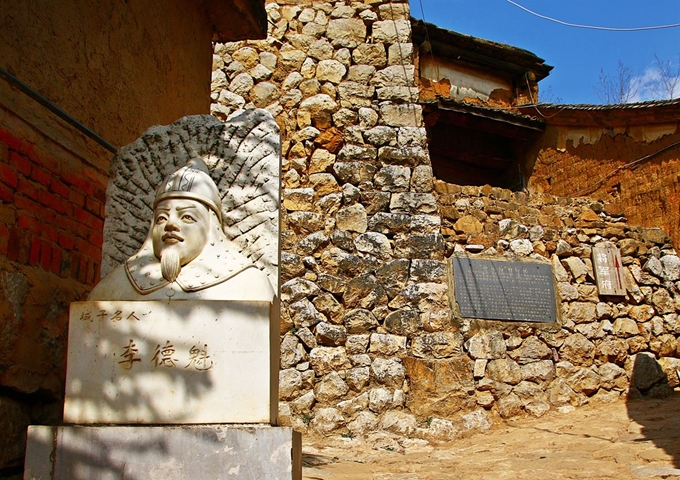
[(509, 113), (476, 50), (654, 112), (618, 106)]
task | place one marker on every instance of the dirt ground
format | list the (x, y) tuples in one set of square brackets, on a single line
[(624, 440)]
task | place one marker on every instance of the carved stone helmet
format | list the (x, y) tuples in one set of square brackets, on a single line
[(192, 182)]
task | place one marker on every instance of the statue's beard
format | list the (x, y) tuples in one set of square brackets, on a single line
[(170, 264)]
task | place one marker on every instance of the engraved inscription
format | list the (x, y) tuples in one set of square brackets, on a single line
[(162, 357), (129, 355), (498, 290), (196, 358), (199, 358), (163, 362)]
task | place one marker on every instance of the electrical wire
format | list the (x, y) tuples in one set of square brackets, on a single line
[(535, 105), (52, 107), (427, 39), (411, 87), (593, 27), (401, 53)]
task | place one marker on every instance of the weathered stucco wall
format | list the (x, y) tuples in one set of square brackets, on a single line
[(369, 343), (611, 164), (465, 82), (117, 67)]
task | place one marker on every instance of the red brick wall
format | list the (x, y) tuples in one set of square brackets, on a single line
[(52, 216)]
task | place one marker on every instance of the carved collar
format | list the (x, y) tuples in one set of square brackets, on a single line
[(217, 263)]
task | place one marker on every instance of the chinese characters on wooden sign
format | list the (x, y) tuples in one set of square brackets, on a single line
[(608, 270)]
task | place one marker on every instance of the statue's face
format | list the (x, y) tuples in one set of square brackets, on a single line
[(180, 224)]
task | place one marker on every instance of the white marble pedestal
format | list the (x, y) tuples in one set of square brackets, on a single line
[(169, 390), (172, 362)]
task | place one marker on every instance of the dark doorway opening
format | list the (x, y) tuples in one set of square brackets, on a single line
[(473, 145)]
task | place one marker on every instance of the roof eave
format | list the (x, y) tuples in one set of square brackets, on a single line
[(495, 56), (235, 20)]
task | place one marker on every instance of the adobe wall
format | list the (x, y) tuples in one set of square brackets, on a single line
[(369, 343), (117, 67), (465, 83), (576, 160)]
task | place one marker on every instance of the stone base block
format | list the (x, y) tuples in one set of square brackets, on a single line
[(163, 452)]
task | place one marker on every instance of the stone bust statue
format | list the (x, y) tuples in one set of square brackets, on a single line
[(186, 254)]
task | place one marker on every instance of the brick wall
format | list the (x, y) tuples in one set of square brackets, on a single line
[(52, 217), (52, 192)]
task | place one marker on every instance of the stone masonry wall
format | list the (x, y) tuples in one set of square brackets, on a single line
[(602, 346), (369, 344)]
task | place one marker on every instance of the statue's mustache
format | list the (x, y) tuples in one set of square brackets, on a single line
[(174, 236)]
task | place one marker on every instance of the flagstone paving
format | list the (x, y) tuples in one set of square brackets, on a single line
[(623, 440)]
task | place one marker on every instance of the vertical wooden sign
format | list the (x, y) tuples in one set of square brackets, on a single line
[(608, 270)]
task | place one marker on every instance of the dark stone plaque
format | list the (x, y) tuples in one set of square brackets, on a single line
[(498, 290)]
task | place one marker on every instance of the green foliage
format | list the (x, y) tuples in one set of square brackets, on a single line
[(306, 418)]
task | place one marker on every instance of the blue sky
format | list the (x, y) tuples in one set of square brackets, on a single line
[(577, 54)]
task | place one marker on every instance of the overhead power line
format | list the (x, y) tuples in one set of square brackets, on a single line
[(593, 27)]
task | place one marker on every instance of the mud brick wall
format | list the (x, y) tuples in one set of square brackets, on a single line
[(369, 342), (637, 167)]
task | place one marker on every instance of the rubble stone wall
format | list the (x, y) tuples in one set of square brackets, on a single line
[(369, 343), (602, 346)]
